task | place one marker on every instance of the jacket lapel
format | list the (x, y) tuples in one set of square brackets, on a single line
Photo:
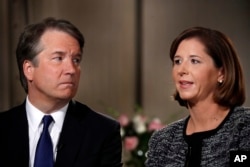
[(71, 136)]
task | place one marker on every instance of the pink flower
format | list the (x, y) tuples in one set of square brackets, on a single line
[(130, 143), (155, 124), (123, 119)]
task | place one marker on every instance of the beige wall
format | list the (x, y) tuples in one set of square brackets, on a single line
[(114, 44)]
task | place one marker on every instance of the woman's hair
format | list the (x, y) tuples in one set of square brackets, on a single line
[(29, 42), (231, 92)]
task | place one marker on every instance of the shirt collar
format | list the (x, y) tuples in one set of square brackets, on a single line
[(35, 116)]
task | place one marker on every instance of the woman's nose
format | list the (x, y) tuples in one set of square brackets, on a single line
[(183, 69)]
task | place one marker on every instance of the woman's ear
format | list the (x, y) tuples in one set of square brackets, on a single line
[(221, 75), (28, 69)]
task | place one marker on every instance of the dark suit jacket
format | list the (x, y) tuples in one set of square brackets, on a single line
[(88, 139)]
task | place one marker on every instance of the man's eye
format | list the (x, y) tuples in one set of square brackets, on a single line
[(59, 58), (77, 60)]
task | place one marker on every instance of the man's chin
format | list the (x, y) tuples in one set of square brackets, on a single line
[(67, 97)]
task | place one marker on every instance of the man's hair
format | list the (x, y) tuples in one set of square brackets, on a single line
[(28, 45), (231, 92)]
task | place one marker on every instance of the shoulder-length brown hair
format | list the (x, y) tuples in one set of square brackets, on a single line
[(231, 92)]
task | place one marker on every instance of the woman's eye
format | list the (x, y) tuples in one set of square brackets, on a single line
[(177, 61), (194, 61)]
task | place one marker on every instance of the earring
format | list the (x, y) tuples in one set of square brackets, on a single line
[(220, 81)]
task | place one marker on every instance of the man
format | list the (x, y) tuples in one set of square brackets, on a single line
[(48, 56)]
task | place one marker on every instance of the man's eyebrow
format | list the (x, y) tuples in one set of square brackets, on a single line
[(79, 54), (64, 53), (59, 52)]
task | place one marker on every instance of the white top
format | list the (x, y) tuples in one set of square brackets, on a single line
[(35, 116)]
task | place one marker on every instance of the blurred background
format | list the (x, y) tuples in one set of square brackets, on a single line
[(126, 56)]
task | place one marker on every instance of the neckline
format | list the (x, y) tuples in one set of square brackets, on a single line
[(204, 134)]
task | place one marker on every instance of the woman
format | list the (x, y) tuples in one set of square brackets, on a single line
[(209, 83)]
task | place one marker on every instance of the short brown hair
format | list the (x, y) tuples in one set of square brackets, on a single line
[(231, 92)]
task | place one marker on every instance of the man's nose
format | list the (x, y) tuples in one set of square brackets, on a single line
[(70, 66)]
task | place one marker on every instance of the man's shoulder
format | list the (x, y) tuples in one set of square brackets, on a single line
[(11, 116), (85, 111), (12, 111)]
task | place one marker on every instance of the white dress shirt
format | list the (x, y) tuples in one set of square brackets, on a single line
[(35, 116)]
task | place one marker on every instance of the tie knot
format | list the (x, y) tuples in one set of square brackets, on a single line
[(47, 119)]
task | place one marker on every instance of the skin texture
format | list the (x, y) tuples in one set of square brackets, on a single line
[(54, 80), (194, 72), (196, 78)]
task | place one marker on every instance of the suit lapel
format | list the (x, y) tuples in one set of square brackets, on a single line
[(71, 136)]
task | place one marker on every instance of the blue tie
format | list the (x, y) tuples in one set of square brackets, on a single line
[(44, 149)]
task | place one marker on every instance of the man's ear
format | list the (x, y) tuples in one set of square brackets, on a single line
[(28, 69)]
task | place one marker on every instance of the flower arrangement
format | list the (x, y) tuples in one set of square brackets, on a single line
[(136, 133)]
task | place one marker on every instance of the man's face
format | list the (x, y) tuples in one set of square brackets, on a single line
[(57, 73)]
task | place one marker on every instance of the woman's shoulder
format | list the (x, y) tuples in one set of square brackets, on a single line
[(244, 109), (177, 125), (240, 118), (239, 126), (241, 112), (170, 131)]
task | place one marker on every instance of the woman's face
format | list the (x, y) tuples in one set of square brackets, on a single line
[(194, 72)]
